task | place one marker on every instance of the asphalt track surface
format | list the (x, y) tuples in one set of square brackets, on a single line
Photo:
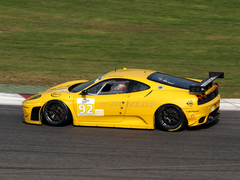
[(43, 152)]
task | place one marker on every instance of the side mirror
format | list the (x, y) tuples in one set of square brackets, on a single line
[(84, 92)]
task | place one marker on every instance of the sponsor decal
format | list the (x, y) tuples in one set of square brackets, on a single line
[(215, 106), (160, 87), (208, 81), (85, 100), (56, 94), (190, 103), (193, 116), (140, 104), (99, 112), (103, 103), (212, 108), (193, 111), (26, 115)]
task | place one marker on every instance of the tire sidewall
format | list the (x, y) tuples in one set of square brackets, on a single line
[(66, 114), (180, 126)]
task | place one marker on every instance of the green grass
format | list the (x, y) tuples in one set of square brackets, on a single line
[(49, 42)]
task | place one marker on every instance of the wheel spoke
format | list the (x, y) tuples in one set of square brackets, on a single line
[(165, 114), (176, 117), (170, 117), (167, 110), (55, 113), (174, 122)]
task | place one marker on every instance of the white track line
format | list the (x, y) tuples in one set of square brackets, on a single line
[(230, 104)]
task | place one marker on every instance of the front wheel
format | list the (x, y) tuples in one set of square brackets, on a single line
[(56, 113), (170, 118)]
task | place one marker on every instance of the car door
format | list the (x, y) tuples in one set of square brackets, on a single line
[(103, 102), (139, 103)]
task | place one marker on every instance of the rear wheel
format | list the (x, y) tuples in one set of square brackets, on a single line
[(56, 113), (170, 118)]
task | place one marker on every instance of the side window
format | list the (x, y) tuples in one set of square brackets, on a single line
[(137, 86), (114, 86), (95, 89)]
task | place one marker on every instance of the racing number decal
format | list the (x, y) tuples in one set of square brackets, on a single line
[(86, 106), (85, 109)]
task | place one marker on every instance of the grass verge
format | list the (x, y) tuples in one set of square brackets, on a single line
[(49, 42)]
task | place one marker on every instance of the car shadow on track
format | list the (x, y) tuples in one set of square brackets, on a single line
[(204, 126)]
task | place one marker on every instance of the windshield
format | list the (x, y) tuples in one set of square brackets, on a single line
[(80, 87), (172, 80)]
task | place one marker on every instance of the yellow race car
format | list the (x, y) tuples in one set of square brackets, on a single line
[(128, 98)]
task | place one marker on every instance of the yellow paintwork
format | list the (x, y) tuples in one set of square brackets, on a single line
[(129, 110)]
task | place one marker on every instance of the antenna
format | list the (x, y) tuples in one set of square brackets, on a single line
[(116, 65), (118, 60)]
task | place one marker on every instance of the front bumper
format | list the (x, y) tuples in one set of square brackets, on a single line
[(31, 115)]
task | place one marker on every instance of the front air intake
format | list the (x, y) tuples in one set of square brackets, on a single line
[(35, 114), (201, 120)]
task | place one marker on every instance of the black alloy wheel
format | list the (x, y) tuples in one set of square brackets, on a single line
[(56, 113), (170, 118)]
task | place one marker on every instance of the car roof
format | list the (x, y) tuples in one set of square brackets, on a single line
[(136, 74)]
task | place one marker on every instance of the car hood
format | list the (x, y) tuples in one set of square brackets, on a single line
[(63, 87)]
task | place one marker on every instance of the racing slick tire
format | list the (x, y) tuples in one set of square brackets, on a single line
[(56, 113), (170, 118)]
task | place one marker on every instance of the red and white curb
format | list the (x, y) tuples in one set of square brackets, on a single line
[(17, 99), (12, 99)]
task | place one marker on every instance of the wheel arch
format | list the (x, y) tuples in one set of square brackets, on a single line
[(172, 104), (57, 100)]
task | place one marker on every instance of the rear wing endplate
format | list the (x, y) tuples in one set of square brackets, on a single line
[(201, 87)]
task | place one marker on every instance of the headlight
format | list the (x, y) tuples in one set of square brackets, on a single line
[(35, 97)]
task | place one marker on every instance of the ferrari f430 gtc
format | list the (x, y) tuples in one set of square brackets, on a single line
[(128, 98)]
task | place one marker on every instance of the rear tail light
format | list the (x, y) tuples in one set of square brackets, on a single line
[(199, 97), (217, 85), (204, 96)]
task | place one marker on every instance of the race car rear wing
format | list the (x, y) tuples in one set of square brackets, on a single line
[(202, 86)]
